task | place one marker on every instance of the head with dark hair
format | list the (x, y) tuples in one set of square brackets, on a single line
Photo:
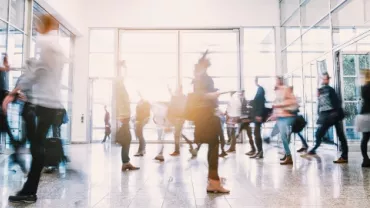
[(325, 79)]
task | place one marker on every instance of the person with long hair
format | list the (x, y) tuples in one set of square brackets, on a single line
[(363, 120)]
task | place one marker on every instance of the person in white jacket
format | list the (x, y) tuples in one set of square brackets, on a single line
[(45, 85)]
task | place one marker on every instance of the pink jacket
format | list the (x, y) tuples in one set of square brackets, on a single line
[(285, 102)]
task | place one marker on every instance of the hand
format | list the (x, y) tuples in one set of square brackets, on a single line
[(8, 99), (258, 118), (22, 97)]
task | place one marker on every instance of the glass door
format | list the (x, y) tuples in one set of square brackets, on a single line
[(101, 96)]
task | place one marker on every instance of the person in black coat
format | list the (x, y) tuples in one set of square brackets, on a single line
[(330, 114), (258, 108)]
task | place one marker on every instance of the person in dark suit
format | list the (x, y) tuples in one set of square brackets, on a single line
[(258, 107)]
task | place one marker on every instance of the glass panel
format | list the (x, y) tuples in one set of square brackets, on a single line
[(312, 11), (348, 22), (101, 65), (293, 56), (291, 29), (17, 13), (287, 7), (102, 41), (222, 46), (259, 52), (15, 47), (3, 36), (222, 64), (316, 41), (351, 110), (350, 93), (4, 9), (154, 90), (364, 61), (335, 3), (349, 68), (215, 41), (155, 65), (148, 41)]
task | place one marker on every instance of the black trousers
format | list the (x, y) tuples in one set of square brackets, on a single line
[(45, 118), (321, 131), (364, 142)]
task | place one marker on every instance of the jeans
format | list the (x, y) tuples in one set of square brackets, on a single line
[(321, 131), (124, 135), (304, 142), (284, 124), (364, 142), (56, 130), (45, 118), (139, 127), (231, 133)]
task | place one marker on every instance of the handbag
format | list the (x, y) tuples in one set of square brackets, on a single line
[(298, 124), (362, 123)]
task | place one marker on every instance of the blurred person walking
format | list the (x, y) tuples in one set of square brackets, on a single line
[(123, 135), (362, 122), (330, 114), (45, 83), (107, 125)]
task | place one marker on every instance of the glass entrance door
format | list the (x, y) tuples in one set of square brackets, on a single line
[(101, 96), (352, 64)]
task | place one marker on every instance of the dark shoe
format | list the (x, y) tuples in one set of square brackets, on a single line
[(288, 160), (283, 158), (223, 154), (129, 166), (160, 158), (20, 198), (230, 150), (258, 155), (366, 164), (175, 153), (341, 161), (250, 153), (303, 149), (267, 140)]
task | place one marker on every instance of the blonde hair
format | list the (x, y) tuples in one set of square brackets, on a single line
[(366, 74), (47, 23)]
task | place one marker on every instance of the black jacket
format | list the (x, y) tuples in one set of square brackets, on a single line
[(365, 94), (258, 103)]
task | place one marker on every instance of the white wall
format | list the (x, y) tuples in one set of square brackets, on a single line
[(182, 13), (85, 14)]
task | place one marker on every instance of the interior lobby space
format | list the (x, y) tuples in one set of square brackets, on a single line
[(140, 52)]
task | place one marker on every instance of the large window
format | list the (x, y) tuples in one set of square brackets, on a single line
[(159, 61)]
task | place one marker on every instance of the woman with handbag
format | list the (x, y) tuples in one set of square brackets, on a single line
[(363, 119)]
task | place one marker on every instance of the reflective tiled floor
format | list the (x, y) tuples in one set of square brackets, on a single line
[(94, 179)]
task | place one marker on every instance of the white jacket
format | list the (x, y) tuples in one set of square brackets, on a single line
[(234, 107), (45, 81)]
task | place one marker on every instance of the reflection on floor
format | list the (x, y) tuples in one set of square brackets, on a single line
[(94, 179)]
